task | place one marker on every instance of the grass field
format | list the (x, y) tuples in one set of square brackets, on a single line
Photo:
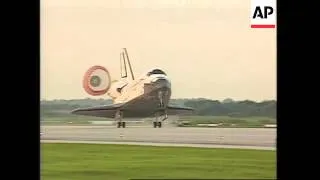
[(115, 162)]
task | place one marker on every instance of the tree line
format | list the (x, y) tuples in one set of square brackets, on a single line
[(203, 107)]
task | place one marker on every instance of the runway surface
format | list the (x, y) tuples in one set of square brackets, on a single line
[(248, 138)]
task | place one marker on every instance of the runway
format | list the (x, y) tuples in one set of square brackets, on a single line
[(248, 138)]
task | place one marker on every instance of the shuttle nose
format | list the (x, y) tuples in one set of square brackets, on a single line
[(162, 82)]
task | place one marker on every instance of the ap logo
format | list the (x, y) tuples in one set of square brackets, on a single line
[(263, 13)]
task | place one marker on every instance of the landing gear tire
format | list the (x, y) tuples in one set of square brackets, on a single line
[(121, 124), (118, 118), (157, 124)]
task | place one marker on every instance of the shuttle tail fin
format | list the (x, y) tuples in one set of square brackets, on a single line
[(124, 62)]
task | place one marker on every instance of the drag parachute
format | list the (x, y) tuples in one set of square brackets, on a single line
[(97, 81)]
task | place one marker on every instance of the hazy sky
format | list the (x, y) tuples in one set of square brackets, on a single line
[(206, 47)]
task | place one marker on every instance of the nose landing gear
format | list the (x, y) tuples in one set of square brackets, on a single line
[(158, 123), (121, 124)]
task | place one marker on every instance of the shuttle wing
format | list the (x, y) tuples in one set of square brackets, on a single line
[(109, 111), (178, 110), (106, 111)]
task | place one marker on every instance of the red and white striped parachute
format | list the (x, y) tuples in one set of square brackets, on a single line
[(97, 81)]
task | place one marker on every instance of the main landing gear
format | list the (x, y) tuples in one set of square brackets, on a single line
[(118, 118), (156, 123)]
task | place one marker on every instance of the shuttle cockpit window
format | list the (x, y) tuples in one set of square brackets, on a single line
[(156, 71)]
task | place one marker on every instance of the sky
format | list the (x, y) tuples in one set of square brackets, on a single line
[(206, 47)]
